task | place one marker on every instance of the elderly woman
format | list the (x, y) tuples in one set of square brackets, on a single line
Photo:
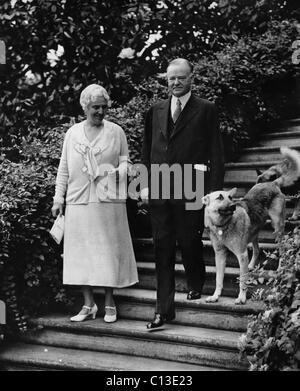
[(97, 245)]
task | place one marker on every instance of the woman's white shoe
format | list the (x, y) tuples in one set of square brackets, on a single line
[(112, 317), (91, 313)]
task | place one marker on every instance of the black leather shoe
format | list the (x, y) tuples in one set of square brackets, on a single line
[(159, 320), (156, 323), (193, 295)]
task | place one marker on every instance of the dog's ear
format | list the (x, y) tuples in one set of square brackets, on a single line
[(233, 191), (205, 200), (258, 172)]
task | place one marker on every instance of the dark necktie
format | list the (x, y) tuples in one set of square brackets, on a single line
[(177, 111)]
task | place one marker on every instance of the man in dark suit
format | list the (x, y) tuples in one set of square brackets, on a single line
[(180, 130)]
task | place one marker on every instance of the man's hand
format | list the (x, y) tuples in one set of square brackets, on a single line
[(145, 196), (57, 209), (143, 204)]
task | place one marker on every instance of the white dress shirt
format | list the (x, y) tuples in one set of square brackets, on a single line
[(183, 100)]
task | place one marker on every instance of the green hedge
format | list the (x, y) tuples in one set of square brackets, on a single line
[(272, 340), (30, 261)]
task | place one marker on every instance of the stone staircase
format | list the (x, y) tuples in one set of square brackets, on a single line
[(203, 337)]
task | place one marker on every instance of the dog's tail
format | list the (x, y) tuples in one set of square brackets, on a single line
[(292, 172)]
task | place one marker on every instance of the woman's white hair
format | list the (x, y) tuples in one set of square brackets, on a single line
[(91, 93)]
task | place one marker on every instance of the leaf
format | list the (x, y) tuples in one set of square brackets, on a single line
[(295, 304), (67, 35)]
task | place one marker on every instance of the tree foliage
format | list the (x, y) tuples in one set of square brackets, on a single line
[(243, 79), (93, 33)]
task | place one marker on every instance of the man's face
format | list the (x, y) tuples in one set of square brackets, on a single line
[(179, 79)]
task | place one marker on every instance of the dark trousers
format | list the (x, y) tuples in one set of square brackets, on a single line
[(171, 222)]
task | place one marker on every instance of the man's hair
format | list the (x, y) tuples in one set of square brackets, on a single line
[(179, 61)]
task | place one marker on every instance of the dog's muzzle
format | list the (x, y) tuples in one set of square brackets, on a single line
[(227, 211)]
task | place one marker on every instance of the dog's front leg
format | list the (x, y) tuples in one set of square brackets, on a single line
[(255, 253), (243, 261), (296, 213), (220, 270)]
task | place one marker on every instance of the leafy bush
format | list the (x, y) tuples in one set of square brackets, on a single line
[(272, 340), (30, 261)]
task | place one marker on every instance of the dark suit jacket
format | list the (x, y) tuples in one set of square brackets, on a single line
[(195, 139)]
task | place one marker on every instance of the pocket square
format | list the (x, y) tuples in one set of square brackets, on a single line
[(57, 230), (200, 167)]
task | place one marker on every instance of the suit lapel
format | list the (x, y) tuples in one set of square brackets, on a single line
[(163, 115), (190, 109)]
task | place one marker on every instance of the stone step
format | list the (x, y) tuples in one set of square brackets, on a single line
[(260, 165), (290, 121), (280, 134), (241, 177), (144, 252), (265, 149), (139, 304), (147, 279), (290, 124), (244, 174), (262, 153), (288, 139), (180, 343), (23, 356), (286, 127)]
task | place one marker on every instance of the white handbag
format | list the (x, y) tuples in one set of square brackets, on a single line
[(57, 230)]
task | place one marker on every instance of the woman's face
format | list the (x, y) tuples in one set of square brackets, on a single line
[(96, 111)]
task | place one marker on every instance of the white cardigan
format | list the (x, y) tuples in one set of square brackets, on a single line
[(83, 169)]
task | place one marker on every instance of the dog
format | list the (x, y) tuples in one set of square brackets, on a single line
[(291, 159), (234, 224)]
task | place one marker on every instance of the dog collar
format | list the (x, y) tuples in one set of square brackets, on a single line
[(220, 228)]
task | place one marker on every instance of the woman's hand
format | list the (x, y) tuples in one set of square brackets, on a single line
[(57, 209), (116, 172), (120, 172)]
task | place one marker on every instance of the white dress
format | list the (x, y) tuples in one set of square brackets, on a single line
[(98, 249)]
